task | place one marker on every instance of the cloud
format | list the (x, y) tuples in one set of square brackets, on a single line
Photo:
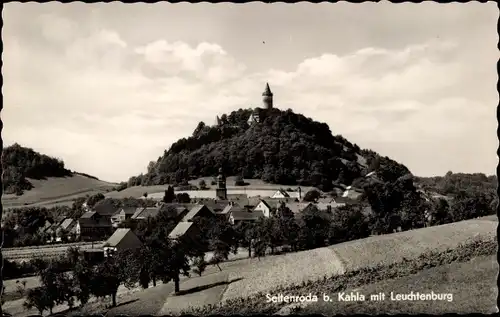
[(108, 106)]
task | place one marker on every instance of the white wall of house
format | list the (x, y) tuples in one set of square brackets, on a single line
[(265, 210)]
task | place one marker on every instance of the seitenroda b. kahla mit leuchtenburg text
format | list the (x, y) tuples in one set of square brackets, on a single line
[(359, 297)]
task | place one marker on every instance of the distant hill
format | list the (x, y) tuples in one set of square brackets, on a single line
[(452, 184), (33, 178), (21, 163), (284, 148)]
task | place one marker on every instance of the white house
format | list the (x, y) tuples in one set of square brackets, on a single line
[(263, 207), (280, 193)]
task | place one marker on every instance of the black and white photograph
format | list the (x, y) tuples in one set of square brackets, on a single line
[(249, 158)]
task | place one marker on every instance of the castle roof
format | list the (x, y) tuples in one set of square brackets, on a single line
[(267, 91)]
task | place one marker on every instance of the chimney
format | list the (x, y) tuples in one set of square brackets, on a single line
[(329, 208), (300, 193)]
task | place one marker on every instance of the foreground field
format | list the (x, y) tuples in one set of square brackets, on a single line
[(409, 244), (57, 190), (473, 285)]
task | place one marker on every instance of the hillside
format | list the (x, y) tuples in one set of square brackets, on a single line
[(284, 148), (33, 178), (21, 163)]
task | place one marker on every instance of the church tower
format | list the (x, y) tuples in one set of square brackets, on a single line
[(221, 190), (267, 98)]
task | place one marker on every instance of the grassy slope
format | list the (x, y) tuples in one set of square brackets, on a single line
[(473, 285), (409, 244), (61, 190)]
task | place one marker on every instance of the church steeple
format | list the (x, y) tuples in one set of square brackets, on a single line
[(221, 190), (267, 97)]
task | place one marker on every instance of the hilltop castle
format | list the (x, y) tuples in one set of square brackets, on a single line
[(258, 113), (267, 100)]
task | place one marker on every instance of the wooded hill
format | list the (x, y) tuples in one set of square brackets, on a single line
[(21, 163), (284, 148)]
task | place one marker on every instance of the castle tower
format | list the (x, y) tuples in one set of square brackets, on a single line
[(221, 190), (267, 97)]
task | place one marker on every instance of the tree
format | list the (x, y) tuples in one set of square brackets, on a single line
[(221, 251), (169, 195), (199, 265), (106, 279), (239, 181), (246, 233), (94, 199), (82, 275), (183, 198), (40, 299), (312, 195), (176, 262), (348, 223)]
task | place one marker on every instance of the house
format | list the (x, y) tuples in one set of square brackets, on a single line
[(298, 208), (264, 208), (66, 229), (214, 204), (122, 239), (352, 193), (240, 215), (188, 232), (122, 215), (328, 204), (280, 193), (198, 211), (92, 225), (142, 213)]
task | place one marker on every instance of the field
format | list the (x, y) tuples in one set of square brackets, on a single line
[(47, 250), (56, 191), (473, 285)]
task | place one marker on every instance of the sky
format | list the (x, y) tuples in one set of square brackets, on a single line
[(108, 87)]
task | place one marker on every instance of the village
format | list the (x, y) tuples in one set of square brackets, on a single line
[(105, 222)]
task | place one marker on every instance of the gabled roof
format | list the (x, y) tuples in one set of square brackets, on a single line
[(145, 212), (67, 223), (275, 202), (265, 203), (297, 207), (194, 212), (233, 207), (88, 215), (180, 230), (282, 192), (215, 205), (118, 236)]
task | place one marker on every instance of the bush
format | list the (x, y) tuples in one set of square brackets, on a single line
[(239, 181)]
